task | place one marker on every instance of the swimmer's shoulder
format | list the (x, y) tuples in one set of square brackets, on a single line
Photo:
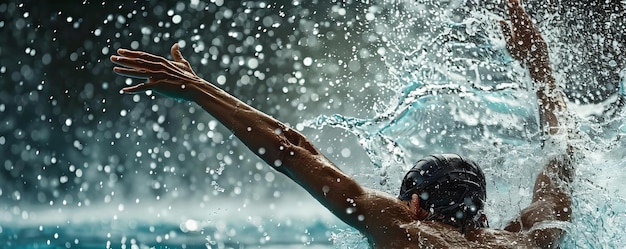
[(428, 234), (497, 238)]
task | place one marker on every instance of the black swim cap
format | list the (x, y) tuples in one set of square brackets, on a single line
[(451, 187)]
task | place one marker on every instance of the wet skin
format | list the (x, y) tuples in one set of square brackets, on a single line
[(386, 221)]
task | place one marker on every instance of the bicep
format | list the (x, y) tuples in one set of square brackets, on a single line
[(360, 207), (551, 205), (311, 170), (540, 223), (294, 156), (551, 191)]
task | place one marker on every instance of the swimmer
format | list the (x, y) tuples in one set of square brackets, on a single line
[(442, 197)]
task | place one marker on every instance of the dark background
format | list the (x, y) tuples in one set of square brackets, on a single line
[(68, 137)]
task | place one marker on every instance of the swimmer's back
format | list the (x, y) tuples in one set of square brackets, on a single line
[(427, 234)]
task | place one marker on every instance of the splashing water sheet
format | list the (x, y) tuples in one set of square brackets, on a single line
[(376, 85)]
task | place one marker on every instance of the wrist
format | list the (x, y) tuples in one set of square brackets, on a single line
[(541, 72), (537, 57), (195, 89)]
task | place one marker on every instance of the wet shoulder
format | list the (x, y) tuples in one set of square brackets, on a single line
[(438, 235)]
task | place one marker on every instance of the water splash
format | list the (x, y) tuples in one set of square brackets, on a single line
[(456, 90), (409, 77), (452, 89)]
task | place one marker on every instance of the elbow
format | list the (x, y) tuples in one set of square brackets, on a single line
[(292, 138), (288, 145)]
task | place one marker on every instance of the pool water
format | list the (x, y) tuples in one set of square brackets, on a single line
[(376, 85), (146, 226)]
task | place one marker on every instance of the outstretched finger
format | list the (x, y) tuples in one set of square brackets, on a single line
[(511, 5), (132, 73), (135, 62), (518, 16), (137, 88), (141, 55)]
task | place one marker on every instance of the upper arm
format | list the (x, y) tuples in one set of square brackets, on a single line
[(551, 200), (291, 153), (551, 203), (359, 207), (362, 208)]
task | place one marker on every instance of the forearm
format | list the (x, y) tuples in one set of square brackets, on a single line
[(550, 100), (264, 135), (551, 196), (285, 149), (551, 104)]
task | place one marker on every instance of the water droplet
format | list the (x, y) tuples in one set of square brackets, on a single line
[(176, 19), (350, 210), (307, 61), (253, 63)]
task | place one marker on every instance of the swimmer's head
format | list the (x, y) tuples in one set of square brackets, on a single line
[(451, 188)]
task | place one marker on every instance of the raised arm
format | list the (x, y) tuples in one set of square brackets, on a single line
[(283, 148), (551, 200), (526, 45)]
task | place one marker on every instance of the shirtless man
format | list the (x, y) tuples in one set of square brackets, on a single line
[(441, 200)]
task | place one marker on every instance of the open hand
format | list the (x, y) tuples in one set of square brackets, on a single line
[(523, 40), (170, 78)]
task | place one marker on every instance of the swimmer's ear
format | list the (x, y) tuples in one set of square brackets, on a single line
[(416, 199)]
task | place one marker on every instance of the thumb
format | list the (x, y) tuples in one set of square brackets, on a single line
[(506, 31), (508, 38), (176, 55)]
